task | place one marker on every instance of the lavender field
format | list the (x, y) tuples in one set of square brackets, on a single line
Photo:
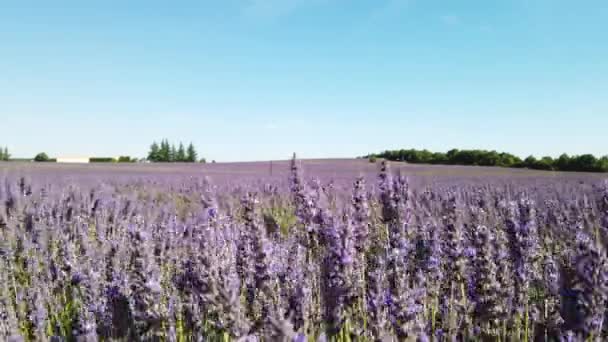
[(317, 250)]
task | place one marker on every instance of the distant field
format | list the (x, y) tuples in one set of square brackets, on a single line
[(337, 170)]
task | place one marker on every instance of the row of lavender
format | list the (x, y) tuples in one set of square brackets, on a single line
[(147, 261)]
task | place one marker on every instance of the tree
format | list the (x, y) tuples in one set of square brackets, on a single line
[(4, 155), (172, 153), (545, 163), (451, 155), (508, 160), (41, 157), (165, 151), (563, 163), (529, 162), (191, 154), (491, 158), (180, 155), (585, 162), (154, 154), (125, 159), (439, 158), (603, 164)]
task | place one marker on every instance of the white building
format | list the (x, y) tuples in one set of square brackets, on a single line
[(73, 160)]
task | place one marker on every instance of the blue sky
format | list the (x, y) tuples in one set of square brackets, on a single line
[(260, 79)]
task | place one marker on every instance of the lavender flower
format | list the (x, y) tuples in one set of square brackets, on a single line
[(488, 310), (375, 296), (604, 214), (404, 295), (337, 267), (143, 286), (305, 211), (521, 225), (455, 303), (591, 289), (552, 303), (174, 257)]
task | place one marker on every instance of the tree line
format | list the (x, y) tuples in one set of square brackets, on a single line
[(168, 153), (43, 157), (4, 155), (584, 162), (163, 152)]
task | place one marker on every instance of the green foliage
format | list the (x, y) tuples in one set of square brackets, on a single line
[(172, 154), (126, 159), (168, 153), (102, 160), (4, 155), (180, 155), (529, 162), (165, 151), (439, 158), (603, 164), (191, 154), (64, 318), (154, 154), (41, 157), (372, 159), (563, 162), (545, 163), (585, 162), (279, 218)]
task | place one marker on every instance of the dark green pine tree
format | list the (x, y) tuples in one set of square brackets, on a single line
[(181, 153), (172, 154), (5, 155), (154, 154), (1, 154), (191, 156), (160, 151), (165, 151)]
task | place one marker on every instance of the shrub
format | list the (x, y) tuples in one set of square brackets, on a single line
[(125, 159), (101, 160), (585, 162), (41, 157)]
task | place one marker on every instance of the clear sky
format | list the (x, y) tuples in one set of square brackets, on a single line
[(260, 79)]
